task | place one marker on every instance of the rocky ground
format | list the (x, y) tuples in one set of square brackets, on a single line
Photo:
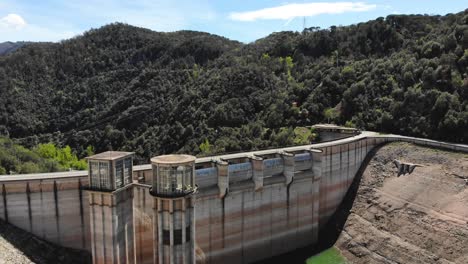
[(417, 218), (18, 246)]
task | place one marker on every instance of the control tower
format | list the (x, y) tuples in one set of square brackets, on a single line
[(173, 187), (111, 207)]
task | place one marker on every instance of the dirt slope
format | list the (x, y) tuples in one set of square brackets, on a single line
[(417, 218), (19, 247)]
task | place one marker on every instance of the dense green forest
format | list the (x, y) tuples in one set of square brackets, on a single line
[(126, 88)]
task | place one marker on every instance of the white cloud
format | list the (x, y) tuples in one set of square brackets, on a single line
[(58, 20), (290, 11), (12, 21), (31, 32)]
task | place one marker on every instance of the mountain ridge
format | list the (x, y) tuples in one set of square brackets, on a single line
[(124, 87), (9, 46)]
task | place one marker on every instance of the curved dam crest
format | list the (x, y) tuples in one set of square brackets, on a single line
[(249, 206)]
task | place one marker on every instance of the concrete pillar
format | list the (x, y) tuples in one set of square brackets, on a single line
[(316, 159), (288, 163), (316, 163), (112, 216), (257, 172), (223, 177)]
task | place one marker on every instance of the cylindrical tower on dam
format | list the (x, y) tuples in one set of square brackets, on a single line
[(174, 215)]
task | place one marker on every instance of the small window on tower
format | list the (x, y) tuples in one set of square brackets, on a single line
[(104, 175), (119, 172), (94, 172), (128, 170)]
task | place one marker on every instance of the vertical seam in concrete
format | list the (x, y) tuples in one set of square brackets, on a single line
[(287, 206), (223, 220), (93, 226), (114, 233), (184, 230), (28, 196), (103, 222), (80, 197), (160, 232), (5, 204), (242, 228), (271, 221), (139, 228), (209, 232), (127, 255), (42, 210), (330, 177), (347, 167), (57, 220), (355, 156), (192, 229), (341, 167), (155, 230), (171, 231), (366, 147), (297, 217)]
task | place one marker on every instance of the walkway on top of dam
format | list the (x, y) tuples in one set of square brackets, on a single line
[(363, 135)]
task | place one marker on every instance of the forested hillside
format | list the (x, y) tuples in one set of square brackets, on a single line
[(43, 158), (126, 88)]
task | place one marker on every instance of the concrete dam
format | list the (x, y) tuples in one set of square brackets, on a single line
[(236, 208)]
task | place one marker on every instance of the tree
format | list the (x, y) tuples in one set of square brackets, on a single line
[(205, 147), (331, 114)]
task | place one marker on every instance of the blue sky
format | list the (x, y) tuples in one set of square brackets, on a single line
[(246, 21)]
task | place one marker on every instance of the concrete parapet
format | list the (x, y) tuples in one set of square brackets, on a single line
[(288, 163), (257, 166), (316, 163), (223, 177)]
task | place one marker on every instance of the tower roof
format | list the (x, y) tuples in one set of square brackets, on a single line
[(173, 159), (110, 155)]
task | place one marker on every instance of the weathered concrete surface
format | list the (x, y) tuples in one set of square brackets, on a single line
[(241, 214), (417, 218), (54, 209), (18, 246), (111, 222)]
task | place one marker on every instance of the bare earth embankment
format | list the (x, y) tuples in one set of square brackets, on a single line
[(417, 218), (20, 247)]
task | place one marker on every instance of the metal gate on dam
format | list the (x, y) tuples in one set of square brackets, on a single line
[(237, 208)]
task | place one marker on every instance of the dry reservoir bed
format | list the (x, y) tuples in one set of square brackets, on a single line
[(415, 218)]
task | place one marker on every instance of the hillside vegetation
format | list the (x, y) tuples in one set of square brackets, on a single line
[(43, 158), (8, 47), (128, 88)]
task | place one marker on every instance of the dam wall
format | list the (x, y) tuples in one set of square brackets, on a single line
[(52, 206), (249, 206)]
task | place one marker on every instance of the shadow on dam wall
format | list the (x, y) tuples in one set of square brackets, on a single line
[(328, 234)]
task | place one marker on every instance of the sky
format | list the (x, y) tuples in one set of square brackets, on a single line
[(242, 20)]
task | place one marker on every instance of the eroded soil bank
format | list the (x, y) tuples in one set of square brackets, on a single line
[(21, 247), (417, 218)]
